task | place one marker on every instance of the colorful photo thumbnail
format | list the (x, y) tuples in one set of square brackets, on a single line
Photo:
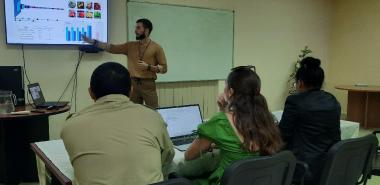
[(89, 5), (97, 6), (80, 5), (89, 15), (72, 13), (97, 15), (72, 4), (81, 14)]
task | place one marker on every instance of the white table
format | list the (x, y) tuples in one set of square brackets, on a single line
[(348, 129), (56, 152)]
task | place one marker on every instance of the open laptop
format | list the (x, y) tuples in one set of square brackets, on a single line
[(182, 124), (39, 100)]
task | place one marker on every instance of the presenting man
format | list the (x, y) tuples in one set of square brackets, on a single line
[(145, 59)]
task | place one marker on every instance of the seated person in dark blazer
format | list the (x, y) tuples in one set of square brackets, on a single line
[(310, 124)]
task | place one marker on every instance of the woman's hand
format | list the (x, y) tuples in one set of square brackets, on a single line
[(222, 102), (198, 147), (212, 147)]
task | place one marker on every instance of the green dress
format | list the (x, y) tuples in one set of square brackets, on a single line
[(219, 130)]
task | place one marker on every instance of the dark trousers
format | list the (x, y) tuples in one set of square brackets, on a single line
[(144, 91)]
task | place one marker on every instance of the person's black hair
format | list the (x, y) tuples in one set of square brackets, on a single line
[(147, 24), (110, 78), (311, 73)]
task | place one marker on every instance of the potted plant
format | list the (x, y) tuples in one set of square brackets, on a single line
[(292, 79)]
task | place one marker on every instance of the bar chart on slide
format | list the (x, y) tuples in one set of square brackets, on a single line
[(76, 33)]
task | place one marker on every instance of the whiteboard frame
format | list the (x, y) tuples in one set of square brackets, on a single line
[(197, 7)]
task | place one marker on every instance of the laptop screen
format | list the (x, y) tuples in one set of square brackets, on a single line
[(36, 94), (181, 121)]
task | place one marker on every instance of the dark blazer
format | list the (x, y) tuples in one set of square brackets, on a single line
[(310, 125)]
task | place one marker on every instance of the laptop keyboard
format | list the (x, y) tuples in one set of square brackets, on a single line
[(183, 140), (183, 148)]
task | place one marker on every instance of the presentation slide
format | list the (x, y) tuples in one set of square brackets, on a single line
[(55, 21)]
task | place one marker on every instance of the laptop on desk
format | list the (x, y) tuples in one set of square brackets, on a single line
[(182, 124), (39, 100)]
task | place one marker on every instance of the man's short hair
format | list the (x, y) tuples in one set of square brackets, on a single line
[(146, 23), (110, 78)]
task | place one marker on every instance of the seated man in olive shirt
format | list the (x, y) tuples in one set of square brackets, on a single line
[(115, 141)]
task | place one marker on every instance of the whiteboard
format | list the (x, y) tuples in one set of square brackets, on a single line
[(198, 42)]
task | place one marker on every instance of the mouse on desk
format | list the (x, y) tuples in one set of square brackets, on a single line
[(52, 108)]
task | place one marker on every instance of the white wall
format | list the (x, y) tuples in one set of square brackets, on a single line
[(52, 66), (355, 45), (268, 34)]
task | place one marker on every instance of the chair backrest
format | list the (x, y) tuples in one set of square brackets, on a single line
[(178, 181), (269, 170), (348, 160), (376, 161)]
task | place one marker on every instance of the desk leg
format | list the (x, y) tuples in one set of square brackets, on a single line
[(10, 153), (51, 179), (19, 160), (373, 113), (366, 110), (356, 107), (36, 130), (2, 152), (41, 168)]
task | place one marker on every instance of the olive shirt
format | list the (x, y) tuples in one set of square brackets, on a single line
[(115, 141), (149, 52)]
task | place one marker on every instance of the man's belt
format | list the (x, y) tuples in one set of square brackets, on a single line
[(143, 79)]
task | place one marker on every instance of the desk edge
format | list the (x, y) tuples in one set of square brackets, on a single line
[(357, 89), (50, 165), (34, 115)]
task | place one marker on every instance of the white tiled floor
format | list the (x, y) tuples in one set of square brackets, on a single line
[(374, 181)]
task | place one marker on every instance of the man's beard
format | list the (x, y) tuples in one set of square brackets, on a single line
[(140, 37)]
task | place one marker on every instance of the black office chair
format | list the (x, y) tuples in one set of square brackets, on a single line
[(269, 170), (348, 161), (376, 163), (300, 173), (375, 170), (178, 181)]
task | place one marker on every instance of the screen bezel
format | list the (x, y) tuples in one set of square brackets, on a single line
[(39, 101), (181, 106), (45, 44)]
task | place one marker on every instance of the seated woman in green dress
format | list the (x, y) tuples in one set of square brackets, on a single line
[(244, 128)]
